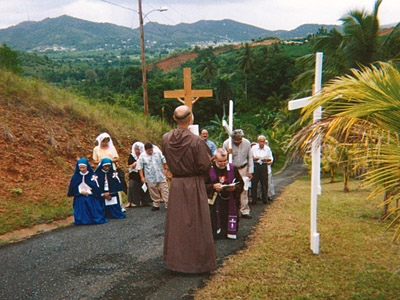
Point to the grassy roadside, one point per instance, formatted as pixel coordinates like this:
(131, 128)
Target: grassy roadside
(357, 259)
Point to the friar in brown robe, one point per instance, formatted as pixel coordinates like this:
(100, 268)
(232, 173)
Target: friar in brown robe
(188, 240)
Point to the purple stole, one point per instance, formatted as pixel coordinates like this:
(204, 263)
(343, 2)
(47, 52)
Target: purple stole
(232, 209)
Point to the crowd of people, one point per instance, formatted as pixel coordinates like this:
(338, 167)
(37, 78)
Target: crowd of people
(199, 171)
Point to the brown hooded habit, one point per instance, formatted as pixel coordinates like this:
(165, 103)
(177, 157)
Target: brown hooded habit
(188, 240)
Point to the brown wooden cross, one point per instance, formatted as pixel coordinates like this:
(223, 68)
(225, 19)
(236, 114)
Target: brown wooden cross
(190, 96)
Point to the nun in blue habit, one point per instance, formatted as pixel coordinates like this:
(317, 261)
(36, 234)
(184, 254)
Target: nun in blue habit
(85, 189)
(110, 185)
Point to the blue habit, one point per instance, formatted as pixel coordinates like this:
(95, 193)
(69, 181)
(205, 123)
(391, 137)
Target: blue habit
(110, 182)
(87, 209)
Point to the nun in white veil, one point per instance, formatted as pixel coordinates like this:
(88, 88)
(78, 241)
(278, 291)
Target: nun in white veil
(136, 195)
(105, 148)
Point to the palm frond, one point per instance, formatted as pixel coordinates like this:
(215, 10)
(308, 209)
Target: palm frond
(361, 112)
(372, 93)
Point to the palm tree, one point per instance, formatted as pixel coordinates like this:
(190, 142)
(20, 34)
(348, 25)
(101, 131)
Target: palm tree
(208, 69)
(362, 110)
(358, 45)
(329, 158)
(360, 39)
(246, 63)
(223, 89)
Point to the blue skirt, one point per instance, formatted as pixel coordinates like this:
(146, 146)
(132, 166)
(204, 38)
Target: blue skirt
(88, 210)
(114, 211)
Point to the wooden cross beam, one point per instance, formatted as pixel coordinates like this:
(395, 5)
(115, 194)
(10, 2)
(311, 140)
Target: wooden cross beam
(189, 96)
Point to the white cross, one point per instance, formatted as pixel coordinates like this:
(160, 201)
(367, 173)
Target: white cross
(232, 221)
(115, 175)
(316, 153)
(94, 178)
(229, 127)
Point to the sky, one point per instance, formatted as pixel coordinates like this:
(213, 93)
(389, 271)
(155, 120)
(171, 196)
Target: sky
(266, 14)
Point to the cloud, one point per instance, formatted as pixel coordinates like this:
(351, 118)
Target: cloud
(268, 14)
(16, 11)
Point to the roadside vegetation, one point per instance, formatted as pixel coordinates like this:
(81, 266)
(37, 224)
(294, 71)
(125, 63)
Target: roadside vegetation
(357, 258)
(361, 107)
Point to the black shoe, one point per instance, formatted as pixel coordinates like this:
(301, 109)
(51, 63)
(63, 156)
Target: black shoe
(247, 217)
(265, 201)
(155, 208)
(252, 202)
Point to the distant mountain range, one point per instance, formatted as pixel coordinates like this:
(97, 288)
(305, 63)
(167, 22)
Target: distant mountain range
(68, 33)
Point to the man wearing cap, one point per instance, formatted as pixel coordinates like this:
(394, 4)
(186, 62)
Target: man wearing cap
(243, 161)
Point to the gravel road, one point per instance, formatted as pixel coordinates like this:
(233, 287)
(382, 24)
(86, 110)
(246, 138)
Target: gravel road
(118, 260)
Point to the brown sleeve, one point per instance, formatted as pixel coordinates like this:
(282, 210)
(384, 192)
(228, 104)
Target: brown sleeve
(203, 157)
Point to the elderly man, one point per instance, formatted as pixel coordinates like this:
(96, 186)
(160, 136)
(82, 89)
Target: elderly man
(188, 239)
(243, 160)
(262, 157)
(210, 144)
(224, 186)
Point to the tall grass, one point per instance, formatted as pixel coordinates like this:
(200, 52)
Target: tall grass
(118, 121)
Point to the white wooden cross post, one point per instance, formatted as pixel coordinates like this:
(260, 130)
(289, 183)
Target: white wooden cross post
(316, 153)
(229, 127)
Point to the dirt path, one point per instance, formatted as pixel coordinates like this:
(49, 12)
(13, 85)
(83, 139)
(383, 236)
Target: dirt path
(118, 260)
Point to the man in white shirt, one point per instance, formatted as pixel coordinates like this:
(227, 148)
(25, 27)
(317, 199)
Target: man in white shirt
(262, 157)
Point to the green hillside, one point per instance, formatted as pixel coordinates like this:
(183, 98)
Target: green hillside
(44, 130)
(66, 33)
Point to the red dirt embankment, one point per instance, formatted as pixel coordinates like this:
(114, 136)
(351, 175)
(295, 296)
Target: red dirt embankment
(39, 147)
(174, 62)
(385, 31)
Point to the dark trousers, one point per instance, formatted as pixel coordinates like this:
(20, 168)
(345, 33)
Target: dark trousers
(136, 194)
(260, 174)
(220, 208)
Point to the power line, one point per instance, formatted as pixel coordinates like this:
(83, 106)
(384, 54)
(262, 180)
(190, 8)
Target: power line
(115, 4)
(181, 15)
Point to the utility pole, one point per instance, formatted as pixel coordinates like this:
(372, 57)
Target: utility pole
(144, 76)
